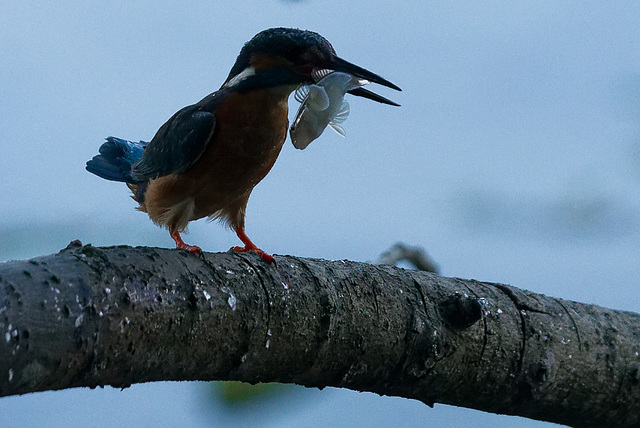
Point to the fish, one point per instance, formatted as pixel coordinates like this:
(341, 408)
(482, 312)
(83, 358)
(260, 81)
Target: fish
(322, 105)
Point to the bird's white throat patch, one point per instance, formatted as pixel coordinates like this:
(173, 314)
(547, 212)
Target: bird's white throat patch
(249, 71)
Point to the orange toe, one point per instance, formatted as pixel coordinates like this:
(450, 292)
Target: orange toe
(193, 249)
(266, 257)
(180, 244)
(250, 246)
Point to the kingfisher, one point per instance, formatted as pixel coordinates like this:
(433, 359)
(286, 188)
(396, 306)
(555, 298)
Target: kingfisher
(206, 159)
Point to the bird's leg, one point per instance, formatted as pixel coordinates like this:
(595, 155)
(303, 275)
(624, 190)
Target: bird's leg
(180, 243)
(250, 246)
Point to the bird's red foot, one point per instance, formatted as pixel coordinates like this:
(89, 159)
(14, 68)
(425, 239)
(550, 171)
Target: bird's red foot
(250, 246)
(180, 243)
(266, 257)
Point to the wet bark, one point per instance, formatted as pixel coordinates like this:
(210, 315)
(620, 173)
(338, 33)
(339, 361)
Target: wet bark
(120, 315)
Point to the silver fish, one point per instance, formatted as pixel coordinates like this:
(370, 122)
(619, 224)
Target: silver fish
(322, 105)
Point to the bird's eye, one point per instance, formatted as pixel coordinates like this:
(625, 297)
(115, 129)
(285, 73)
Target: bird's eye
(307, 56)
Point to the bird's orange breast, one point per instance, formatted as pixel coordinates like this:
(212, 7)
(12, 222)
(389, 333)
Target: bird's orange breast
(250, 131)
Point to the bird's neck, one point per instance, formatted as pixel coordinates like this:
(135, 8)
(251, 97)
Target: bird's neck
(251, 79)
(260, 108)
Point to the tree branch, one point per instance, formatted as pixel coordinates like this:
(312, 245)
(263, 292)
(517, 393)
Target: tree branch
(115, 316)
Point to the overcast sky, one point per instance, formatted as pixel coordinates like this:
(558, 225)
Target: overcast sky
(515, 156)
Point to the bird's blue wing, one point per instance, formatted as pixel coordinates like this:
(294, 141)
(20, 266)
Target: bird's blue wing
(177, 145)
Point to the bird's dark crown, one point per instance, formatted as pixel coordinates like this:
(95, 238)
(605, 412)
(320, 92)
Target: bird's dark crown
(284, 49)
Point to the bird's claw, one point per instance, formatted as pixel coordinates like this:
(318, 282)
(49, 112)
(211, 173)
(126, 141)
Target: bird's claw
(266, 257)
(193, 249)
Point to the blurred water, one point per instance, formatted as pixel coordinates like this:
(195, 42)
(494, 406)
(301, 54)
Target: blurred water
(515, 157)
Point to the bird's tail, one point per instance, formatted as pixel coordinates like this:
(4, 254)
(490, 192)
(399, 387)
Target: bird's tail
(116, 158)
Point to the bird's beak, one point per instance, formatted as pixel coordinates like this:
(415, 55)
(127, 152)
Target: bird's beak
(341, 65)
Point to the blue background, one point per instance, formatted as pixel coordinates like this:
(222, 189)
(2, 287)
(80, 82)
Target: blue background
(515, 157)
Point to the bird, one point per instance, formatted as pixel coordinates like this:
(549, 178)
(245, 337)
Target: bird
(205, 160)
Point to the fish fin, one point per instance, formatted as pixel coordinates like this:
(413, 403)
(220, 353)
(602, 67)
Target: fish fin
(339, 118)
(343, 114)
(301, 93)
(318, 75)
(338, 128)
(318, 98)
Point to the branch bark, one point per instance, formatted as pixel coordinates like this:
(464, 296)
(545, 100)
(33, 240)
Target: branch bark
(115, 316)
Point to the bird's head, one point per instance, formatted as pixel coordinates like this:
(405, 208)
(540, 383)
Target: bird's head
(288, 56)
